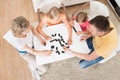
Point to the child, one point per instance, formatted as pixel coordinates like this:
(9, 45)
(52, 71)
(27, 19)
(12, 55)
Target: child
(103, 41)
(54, 17)
(23, 35)
(82, 19)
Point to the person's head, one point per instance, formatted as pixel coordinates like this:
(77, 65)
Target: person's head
(20, 26)
(81, 17)
(99, 26)
(54, 13)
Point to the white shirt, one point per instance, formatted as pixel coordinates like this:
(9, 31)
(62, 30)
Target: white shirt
(21, 42)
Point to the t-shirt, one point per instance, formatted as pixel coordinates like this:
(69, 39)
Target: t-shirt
(21, 42)
(106, 44)
(84, 25)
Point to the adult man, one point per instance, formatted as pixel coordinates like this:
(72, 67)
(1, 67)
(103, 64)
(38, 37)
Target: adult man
(102, 42)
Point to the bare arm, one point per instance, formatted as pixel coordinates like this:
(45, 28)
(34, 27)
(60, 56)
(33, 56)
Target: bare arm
(91, 56)
(83, 32)
(64, 19)
(36, 52)
(85, 37)
(65, 11)
(39, 29)
(38, 36)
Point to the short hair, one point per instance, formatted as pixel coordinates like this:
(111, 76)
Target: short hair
(81, 17)
(54, 13)
(101, 23)
(19, 25)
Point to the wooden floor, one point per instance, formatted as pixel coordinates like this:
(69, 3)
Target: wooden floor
(12, 67)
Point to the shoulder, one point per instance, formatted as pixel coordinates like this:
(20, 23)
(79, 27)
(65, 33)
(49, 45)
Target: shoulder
(62, 15)
(45, 17)
(43, 21)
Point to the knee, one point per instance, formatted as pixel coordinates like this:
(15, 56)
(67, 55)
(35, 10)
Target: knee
(82, 64)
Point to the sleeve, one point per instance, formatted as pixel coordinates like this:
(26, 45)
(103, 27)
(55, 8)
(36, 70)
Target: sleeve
(20, 44)
(105, 49)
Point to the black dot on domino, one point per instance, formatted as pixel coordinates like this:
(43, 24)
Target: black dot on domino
(52, 47)
(62, 51)
(58, 34)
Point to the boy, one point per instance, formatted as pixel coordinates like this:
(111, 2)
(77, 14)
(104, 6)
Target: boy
(103, 41)
(23, 33)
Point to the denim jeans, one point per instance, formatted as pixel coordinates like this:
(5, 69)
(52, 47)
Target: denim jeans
(85, 63)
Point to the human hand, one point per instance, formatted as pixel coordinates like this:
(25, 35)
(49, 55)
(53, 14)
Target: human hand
(83, 38)
(78, 32)
(43, 42)
(48, 38)
(69, 42)
(66, 49)
(46, 52)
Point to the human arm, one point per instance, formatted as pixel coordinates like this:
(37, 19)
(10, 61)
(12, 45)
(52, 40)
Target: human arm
(38, 36)
(39, 29)
(71, 22)
(85, 37)
(64, 19)
(91, 56)
(82, 32)
(37, 52)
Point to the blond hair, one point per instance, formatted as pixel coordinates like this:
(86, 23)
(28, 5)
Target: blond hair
(81, 17)
(54, 13)
(19, 25)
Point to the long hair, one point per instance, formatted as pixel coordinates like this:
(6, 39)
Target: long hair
(81, 17)
(54, 13)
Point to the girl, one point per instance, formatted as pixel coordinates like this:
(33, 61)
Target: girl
(54, 17)
(82, 19)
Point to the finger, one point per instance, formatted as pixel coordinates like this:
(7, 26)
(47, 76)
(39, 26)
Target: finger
(69, 42)
(44, 43)
(82, 39)
(52, 51)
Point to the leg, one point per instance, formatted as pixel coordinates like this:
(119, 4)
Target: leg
(64, 8)
(32, 63)
(30, 59)
(85, 63)
(90, 44)
(42, 69)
